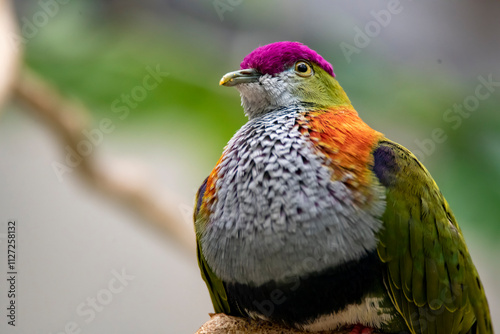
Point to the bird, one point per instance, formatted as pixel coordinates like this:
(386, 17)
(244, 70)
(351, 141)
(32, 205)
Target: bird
(313, 220)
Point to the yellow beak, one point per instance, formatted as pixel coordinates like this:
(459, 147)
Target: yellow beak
(238, 77)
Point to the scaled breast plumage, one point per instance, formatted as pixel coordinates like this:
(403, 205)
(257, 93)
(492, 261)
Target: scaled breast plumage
(273, 187)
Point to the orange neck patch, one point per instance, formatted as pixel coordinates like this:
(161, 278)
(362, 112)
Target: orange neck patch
(345, 140)
(342, 138)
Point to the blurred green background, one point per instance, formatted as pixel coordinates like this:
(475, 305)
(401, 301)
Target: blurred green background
(404, 79)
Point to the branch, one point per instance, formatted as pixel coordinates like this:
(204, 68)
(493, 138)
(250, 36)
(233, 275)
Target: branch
(224, 324)
(10, 48)
(68, 120)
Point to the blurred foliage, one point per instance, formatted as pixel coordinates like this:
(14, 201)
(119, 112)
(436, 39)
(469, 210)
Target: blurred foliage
(96, 60)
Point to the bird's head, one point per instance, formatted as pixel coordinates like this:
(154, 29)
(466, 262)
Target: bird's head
(284, 73)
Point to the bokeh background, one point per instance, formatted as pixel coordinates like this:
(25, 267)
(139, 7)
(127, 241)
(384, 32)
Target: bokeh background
(404, 77)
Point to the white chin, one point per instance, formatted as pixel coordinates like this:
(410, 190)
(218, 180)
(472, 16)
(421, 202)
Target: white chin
(269, 93)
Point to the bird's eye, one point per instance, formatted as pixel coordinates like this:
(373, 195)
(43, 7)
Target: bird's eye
(303, 69)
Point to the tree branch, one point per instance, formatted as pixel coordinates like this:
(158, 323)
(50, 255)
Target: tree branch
(68, 120)
(224, 324)
(10, 49)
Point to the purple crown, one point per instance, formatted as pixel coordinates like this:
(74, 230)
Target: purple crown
(275, 57)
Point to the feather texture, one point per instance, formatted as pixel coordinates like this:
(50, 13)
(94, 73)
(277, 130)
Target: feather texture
(313, 219)
(430, 275)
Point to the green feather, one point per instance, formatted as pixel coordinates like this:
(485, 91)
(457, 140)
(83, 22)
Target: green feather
(430, 275)
(214, 285)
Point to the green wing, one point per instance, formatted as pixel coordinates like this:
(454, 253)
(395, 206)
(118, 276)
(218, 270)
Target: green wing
(430, 276)
(214, 284)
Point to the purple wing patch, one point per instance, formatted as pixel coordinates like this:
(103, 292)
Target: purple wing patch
(276, 57)
(385, 165)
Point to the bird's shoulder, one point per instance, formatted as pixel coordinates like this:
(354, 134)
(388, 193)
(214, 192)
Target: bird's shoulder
(346, 142)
